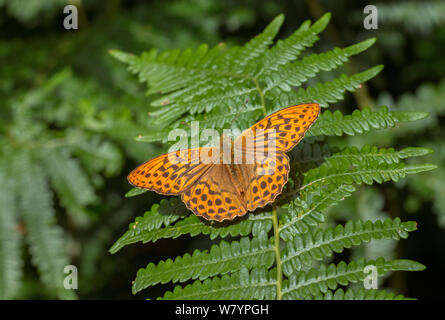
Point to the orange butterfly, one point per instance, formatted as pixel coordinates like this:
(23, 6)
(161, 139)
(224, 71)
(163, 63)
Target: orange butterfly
(219, 191)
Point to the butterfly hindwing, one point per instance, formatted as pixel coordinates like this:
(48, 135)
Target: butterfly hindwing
(214, 196)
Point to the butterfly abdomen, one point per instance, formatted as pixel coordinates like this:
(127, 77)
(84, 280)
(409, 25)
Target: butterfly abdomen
(237, 178)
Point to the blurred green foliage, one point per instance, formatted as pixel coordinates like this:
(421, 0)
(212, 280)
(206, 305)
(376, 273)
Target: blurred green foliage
(69, 114)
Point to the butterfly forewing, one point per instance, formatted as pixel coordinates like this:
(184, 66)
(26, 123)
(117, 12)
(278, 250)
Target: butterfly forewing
(282, 130)
(170, 173)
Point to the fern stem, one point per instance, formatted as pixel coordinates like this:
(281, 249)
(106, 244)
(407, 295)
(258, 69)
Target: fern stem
(276, 232)
(260, 92)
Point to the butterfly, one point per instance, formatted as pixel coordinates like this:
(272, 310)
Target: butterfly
(220, 191)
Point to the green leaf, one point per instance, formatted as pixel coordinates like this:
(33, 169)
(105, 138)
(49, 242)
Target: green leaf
(144, 229)
(288, 49)
(303, 215)
(221, 259)
(46, 240)
(10, 239)
(354, 156)
(324, 278)
(337, 124)
(317, 244)
(259, 284)
(365, 172)
(325, 93)
(163, 214)
(295, 74)
(359, 294)
(255, 47)
(135, 192)
(70, 182)
(127, 58)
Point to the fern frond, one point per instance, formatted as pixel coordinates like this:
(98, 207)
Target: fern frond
(324, 278)
(366, 173)
(318, 244)
(10, 240)
(193, 226)
(288, 49)
(352, 156)
(259, 284)
(359, 294)
(46, 240)
(326, 92)
(214, 85)
(224, 93)
(242, 117)
(337, 124)
(160, 215)
(221, 259)
(355, 156)
(289, 75)
(69, 181)
(430, 96)
(302, 214)
(347, 167)
(256, 47)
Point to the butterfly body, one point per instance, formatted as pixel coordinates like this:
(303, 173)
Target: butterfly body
(237, 177)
